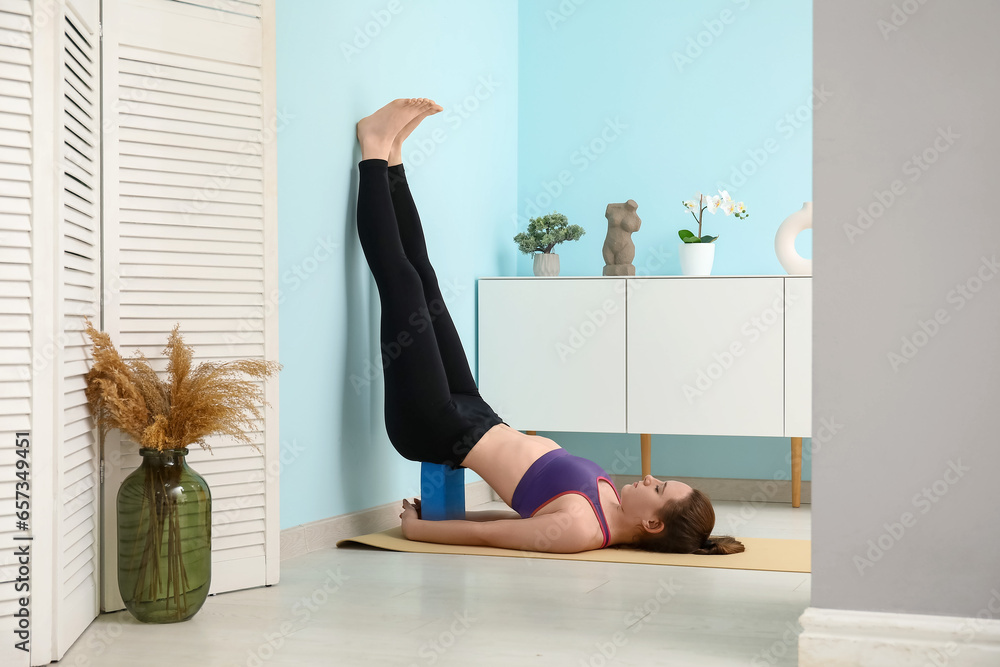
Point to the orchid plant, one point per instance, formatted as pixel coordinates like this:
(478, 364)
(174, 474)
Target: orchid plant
(711, 203)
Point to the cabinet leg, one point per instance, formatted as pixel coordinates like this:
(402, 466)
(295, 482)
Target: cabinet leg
(530, 432)
(646, 439)
(796, 471)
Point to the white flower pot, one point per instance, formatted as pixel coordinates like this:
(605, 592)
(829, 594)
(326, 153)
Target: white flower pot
(697, 258)
(546, 264)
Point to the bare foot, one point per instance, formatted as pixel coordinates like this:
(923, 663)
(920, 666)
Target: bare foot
(377, 131)
(396, 151)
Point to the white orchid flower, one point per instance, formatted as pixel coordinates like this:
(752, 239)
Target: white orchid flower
(725, 195)
(727, 206)
(712, 203)
(691, 205)
(740, 208)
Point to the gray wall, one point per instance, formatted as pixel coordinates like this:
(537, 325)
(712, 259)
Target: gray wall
(901, 423)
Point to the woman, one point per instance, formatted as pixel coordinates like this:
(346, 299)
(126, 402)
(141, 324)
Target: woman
(434, 412)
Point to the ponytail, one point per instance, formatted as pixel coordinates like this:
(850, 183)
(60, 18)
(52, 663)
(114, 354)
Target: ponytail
(720, 545)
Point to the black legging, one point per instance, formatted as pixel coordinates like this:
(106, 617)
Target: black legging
(433, 410)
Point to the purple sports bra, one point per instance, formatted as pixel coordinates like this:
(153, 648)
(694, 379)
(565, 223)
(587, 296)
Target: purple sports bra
(556, 473)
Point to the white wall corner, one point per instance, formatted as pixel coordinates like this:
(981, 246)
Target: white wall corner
(849, 638)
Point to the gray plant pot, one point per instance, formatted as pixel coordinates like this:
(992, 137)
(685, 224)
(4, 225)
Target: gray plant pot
(546, 264)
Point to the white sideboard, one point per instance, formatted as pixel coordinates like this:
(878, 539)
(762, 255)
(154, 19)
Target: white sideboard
(712, 355)
(798, 356)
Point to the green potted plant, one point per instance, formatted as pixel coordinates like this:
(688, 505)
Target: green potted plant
(697, 252)
(544, 233)
(164, 508)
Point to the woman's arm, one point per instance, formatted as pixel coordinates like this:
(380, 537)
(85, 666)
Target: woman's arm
(491, 515)
(481, 515)
(553, 533)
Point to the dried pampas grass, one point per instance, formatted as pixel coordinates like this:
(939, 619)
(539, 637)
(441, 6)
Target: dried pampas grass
(128, 395)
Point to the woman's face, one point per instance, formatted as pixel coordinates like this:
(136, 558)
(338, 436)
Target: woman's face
(646, 498)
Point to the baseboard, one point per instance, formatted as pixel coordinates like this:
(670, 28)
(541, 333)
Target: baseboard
(739, 490)
(324, 533)
(846, 638)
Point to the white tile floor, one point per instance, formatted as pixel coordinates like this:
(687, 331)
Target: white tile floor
(367, 607)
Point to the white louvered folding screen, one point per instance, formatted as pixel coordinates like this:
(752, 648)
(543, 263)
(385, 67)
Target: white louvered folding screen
(15, 291)
(182, 224)
(78, 261)
(190, 238)
(51, 212)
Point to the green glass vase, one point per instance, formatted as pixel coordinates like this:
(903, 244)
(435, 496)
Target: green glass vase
(164, 538)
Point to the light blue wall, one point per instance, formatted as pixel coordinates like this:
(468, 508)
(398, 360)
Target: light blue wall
(654, 101)
(462, 166)
(524, 92)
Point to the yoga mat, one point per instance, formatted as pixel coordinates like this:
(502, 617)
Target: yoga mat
(761, 553)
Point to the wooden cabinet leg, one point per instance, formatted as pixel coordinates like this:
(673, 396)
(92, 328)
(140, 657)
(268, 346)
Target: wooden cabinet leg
(796, 471)
(646, 439)
(530, 432)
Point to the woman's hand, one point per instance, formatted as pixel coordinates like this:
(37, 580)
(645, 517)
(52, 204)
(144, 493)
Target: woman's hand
(409, 515)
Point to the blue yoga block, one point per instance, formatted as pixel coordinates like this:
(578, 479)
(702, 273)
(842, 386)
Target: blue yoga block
(442, 492)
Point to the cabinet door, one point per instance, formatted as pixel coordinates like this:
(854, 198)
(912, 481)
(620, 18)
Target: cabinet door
(798, 357)
(552, 352)
(705, 356)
